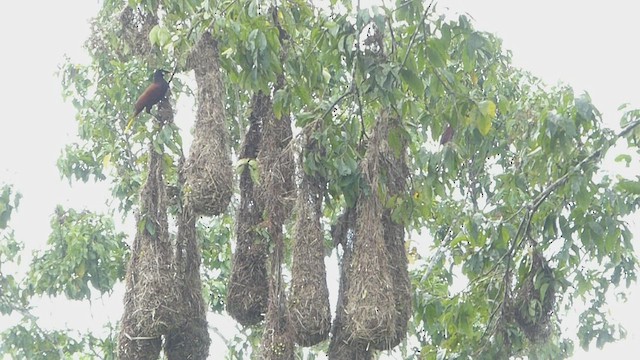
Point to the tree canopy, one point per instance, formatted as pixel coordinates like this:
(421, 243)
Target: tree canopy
(465, 200)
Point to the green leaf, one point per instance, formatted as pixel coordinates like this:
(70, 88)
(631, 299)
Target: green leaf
(624, 157)
(150, 227)
(435, 57)
(326, 75)
(164, 36)
(487, 108)
(413, 82)
(153, 35)
(629, 186)
(261, 41)
(484, 125)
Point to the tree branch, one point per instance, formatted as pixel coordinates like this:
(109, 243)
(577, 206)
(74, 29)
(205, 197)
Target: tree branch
(415, 33)
(534, 205)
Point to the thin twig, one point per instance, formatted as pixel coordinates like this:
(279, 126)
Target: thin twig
(216, 331)
(347, 93)
(140, 337)
(444, 83)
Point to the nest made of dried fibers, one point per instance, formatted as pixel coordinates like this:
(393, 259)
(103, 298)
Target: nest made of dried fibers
(139, 348)
(247, 291)
(209, 172)
(151, 293)
(396, 171)
(190, 340)
(309, 309)
(276, 190)
(342, 346)
(532, 312)
(394, 242)
(371, 307)
(134, 31)
(277, 341)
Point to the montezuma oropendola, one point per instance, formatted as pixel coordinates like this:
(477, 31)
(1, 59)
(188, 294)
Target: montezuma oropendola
(151, 95)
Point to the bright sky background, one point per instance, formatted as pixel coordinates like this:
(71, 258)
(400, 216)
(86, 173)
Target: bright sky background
(591, 45)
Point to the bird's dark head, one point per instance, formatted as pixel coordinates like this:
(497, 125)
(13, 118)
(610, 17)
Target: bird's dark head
(158, 75)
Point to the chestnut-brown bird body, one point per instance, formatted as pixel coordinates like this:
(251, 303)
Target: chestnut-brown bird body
(447, 135)
(152, 94)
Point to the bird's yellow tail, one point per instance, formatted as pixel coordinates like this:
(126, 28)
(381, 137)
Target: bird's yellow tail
(130, 123)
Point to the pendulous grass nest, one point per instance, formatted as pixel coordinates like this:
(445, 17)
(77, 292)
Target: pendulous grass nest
(276, 190)
(370, 307)
(342, 345)
(151, 298)
(190, 340)
(533, 304)
(395, 172)
(309, 310)
(247, 291)
(209, 174)
(275, 193)
(374, 301)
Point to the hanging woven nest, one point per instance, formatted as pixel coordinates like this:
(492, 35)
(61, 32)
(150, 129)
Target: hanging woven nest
(533, 304)
(342, 346)
(276, 189)
(191, 339)
(396, 172)
(134, 31)
(248, 290)
(371, 306)
(277, 339)
(209, 174)
(394, 242)
(309, 309)
(151, 296)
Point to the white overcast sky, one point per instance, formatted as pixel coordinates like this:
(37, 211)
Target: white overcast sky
(591, 45)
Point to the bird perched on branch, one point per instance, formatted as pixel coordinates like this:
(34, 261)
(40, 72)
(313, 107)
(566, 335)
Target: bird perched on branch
(151, 95)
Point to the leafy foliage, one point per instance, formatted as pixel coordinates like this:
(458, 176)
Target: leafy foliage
(83, 249)
(10, 248)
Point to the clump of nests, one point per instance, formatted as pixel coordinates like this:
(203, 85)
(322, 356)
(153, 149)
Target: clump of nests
(534, 301)
(164, 307)
(163, 298)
